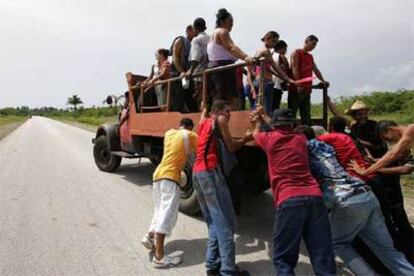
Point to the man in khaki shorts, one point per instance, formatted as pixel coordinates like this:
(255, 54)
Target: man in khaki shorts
(178, 145)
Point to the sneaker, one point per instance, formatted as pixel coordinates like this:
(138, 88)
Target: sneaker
(213, 272)
(167, 261)
(148, 242)
(241, 272)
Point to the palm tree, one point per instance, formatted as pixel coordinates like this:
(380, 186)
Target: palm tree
(75, 101)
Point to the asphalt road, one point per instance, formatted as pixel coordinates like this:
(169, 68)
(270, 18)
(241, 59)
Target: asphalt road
(60, 215)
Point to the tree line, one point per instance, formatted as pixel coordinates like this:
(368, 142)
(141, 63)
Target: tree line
(399, 103)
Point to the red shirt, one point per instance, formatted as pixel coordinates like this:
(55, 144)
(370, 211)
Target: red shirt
(288, 165)
(346, 151)
(305, 68)
(204, 131)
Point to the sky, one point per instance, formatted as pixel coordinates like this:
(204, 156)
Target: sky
(51, 49)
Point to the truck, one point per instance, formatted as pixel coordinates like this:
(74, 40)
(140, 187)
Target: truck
(140, 129)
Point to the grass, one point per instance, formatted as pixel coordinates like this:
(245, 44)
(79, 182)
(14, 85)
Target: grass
(9, 123)
(9, 119)
(88, 120)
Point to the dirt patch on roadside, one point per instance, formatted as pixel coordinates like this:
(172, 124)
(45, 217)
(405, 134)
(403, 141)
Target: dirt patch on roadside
(7, 129)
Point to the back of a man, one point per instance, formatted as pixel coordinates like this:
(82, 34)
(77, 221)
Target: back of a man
(212, 191)
(178, 145)
(180, 50)
(288, 164)
(300, 210)
(354, 212)
(345, 148)
(175, 154)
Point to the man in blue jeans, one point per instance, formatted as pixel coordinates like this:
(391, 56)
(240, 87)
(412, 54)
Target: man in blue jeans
(212, 191)
(355, 211)
(300, 211)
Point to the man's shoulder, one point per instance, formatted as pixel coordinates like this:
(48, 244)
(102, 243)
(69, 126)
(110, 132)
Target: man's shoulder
(201, 36)
(319, 145)
(178, 40)
(191, 134)
(410, 128)
(171, 131)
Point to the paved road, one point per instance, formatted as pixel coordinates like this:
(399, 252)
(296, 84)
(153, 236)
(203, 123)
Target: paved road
(59, 215)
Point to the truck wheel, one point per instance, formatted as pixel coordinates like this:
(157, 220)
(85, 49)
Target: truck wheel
(256, 180)
(253, 165)
(104, 160)
(155, 159)
(189, 203)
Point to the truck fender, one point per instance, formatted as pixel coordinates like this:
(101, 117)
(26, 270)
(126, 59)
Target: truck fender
(111, 132)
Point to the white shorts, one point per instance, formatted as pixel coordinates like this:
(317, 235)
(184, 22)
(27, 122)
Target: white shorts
(166, 198)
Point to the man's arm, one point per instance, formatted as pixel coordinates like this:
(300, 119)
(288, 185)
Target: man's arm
(397, 170)
(163, 74)
(263, 117)
(231, 145)
(404, 144)
(294, 62)
(177, 49)
(195, 56)
(249, 77)
(256, 121)
(193, 66)
(268, 57)
(204, 114)
(319, 74)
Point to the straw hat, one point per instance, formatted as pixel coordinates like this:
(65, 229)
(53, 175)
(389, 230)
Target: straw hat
(358, 105)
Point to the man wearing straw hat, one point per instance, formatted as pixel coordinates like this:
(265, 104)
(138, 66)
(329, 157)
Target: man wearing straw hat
(363, 130)
(390, 195)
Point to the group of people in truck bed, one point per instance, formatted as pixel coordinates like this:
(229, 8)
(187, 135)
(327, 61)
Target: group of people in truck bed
(337, 189)
(197, 51)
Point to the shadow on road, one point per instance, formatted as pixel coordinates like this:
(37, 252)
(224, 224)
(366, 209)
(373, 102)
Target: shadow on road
(139, 174)
(254, 234)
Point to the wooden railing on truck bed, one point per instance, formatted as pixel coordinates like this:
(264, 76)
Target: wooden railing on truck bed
(133, 79)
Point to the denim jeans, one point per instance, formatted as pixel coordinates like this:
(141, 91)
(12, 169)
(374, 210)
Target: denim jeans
(305, 217)
(247, 93)
(361, 216)
(216, 205)
(268, 95)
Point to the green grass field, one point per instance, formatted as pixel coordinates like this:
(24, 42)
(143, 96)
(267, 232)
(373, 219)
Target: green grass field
(9, 123)
(88, 120)
(9, 119)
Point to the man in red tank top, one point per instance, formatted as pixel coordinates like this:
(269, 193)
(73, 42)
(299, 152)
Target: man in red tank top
(303, 66)
(212, 189)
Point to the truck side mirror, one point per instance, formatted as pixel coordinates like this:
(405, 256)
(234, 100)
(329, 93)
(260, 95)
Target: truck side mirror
(109, 100)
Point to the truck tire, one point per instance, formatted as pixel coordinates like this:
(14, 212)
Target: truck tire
(188, 199)
(253, 166)
(104, 160)
(256, 180)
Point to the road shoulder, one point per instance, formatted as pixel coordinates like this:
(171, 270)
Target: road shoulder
(9, 128)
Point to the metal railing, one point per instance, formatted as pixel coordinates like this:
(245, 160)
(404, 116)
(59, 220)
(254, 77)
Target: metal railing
(204, 74)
